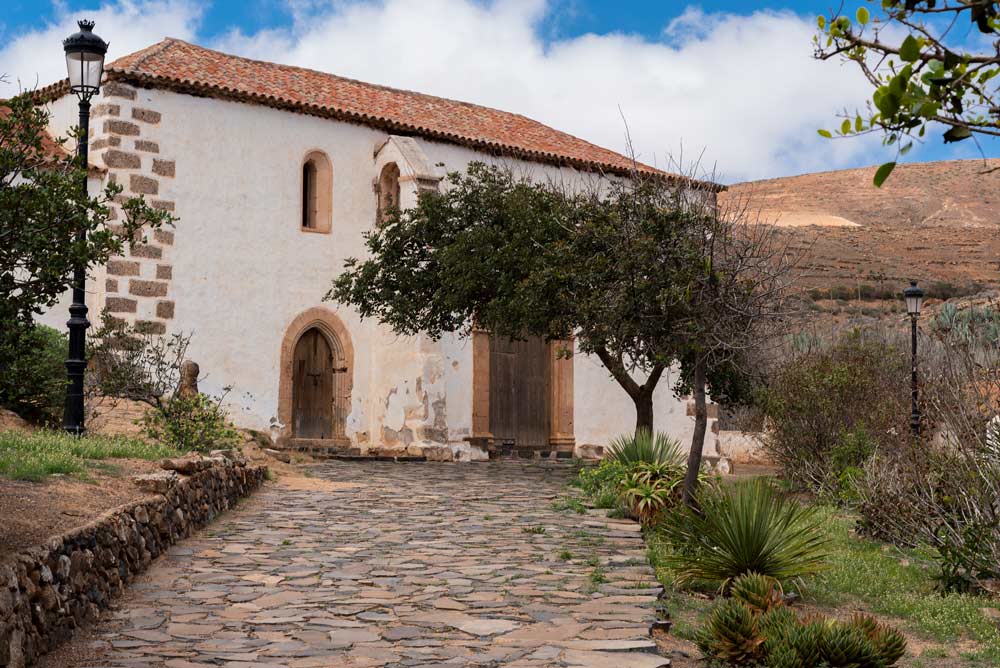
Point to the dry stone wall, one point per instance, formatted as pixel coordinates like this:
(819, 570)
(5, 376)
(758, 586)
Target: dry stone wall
(49, 591)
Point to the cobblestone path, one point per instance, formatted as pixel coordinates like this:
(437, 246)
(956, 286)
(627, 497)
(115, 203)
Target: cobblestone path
(384, 564)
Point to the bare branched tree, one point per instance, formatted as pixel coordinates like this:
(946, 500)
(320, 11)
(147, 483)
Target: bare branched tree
(738, 305)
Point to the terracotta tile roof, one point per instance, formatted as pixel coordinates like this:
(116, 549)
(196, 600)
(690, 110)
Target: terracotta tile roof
(178, 65)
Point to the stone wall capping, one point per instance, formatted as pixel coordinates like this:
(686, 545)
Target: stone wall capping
(123, 268)
(165, 310)
(50, 590)
(150, 327)
(104, 142)
(121, 305)
(145, 250)
(117, 89)
(144, 288)
(117, 159)
(165, 237)
(106, 110)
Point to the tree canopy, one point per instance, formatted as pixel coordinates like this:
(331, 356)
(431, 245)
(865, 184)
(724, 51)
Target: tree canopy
(929, 62)
(642, 272)
(42, 208)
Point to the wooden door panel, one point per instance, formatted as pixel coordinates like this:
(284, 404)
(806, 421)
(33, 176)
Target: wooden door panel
(313, 387)
(519, 392)
(532, 400)
(502, 392)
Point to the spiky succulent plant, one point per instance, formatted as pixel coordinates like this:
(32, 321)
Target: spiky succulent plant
(731, 634)
(846, 646)
(760, 592)
(888, 642)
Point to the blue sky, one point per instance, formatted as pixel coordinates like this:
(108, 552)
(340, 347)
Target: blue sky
(732, 81)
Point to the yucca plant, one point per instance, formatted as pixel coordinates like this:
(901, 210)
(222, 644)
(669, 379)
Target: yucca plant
(745, 528)
(652, 471)
(644, 447)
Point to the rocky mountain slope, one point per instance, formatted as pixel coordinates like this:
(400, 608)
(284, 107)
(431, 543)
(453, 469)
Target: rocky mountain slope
(936, 222)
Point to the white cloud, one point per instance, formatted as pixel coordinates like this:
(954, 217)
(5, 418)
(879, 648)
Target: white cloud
(34, 58)
(743, 87)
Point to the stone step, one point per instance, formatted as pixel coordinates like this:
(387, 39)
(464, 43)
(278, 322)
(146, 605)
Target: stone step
(326, 449)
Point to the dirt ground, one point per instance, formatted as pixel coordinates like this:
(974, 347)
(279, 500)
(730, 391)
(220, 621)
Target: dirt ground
(33, 512)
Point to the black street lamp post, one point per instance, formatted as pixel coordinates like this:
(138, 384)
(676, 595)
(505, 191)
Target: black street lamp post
(914, 298)
(85, 63)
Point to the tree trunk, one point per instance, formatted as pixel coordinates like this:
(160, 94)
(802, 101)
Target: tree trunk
(644, 410)
(641, 395)
(698, 440)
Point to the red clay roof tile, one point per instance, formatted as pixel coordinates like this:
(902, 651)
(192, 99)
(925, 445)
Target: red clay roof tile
(179, 65)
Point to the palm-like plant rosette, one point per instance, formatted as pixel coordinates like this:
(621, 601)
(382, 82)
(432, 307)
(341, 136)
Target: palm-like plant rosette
(744, 528)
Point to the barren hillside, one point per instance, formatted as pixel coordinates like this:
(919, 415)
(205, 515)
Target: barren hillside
(934, 222)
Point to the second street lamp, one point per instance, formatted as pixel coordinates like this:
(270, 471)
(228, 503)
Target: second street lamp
(85, 53)
(914, 299)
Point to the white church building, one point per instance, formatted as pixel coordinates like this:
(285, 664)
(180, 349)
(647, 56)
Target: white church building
(274, 174)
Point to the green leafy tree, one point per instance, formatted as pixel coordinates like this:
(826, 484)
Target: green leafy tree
(42, 208)
(643, 272)
(920, 57)
(33, 384)
(519, 258)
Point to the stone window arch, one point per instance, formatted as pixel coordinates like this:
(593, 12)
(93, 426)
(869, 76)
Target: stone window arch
(317, 192)
(387, 191)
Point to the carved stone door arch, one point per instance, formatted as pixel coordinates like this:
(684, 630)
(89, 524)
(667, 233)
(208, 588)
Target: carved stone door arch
(317, 372)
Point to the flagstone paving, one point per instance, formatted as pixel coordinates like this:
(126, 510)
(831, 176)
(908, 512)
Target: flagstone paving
(390, 564)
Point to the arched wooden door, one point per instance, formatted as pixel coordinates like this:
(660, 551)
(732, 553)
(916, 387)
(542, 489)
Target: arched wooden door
(313, 387)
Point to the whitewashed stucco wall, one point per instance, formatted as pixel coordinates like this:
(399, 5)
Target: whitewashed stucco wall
(243, 269)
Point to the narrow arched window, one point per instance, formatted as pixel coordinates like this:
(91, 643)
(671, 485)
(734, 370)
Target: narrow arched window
(309, 195)
(388, 191)
(317, 192)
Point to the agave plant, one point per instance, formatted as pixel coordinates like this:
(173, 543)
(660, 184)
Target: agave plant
(731, 634)
(644, 447)
(645, 500)
(745, 528)
(760, 592)
(741, 632)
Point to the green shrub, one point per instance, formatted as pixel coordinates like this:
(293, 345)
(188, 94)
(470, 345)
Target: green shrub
(34, 383)
(197, 422)
(600, 483)
(738, 633)
(830, 407)
(641, 477)
(745, 528)
(645, 447)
